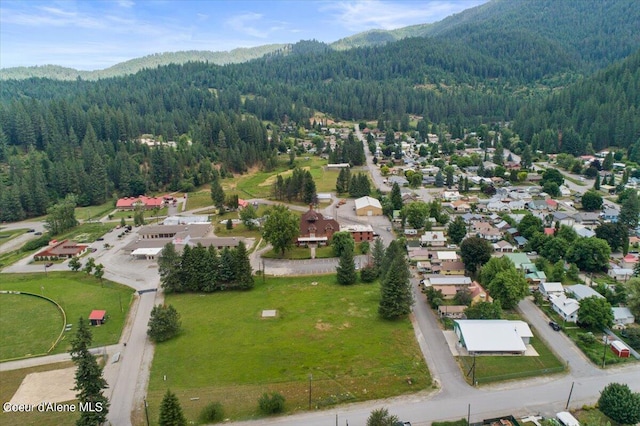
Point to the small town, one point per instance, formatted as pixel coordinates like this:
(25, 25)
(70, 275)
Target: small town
(381, 213)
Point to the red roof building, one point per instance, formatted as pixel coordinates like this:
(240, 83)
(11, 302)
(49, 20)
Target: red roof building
(549, 231)
(97, 317)
(61, 249)
(315, 229)
(130, 203)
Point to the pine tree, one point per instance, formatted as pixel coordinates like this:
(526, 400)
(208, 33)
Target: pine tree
(170, 411)
(396, 197)
(226, 273)
(377, 255)
(89, 381)
(396, 296)
(596, 185)
(243, 271)
(346, 270)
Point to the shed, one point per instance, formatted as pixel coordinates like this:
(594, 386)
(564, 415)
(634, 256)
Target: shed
(620, 349)
(97, 317)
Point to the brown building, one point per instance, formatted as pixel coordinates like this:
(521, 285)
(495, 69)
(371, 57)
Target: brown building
(359, 232)
(315, 229)
(64, 249)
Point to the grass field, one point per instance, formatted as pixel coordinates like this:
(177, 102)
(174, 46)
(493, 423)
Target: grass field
(499, 368)
(322, 329)
(95, 212)
(10, 382)
(28, 325)
(78, 294)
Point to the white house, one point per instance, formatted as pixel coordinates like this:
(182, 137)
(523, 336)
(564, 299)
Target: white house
(451, 195)
(493, 336)
(548, 289)
(622, 316)
(581, 291)
(565, 307)
(433, 238)
(620, 274)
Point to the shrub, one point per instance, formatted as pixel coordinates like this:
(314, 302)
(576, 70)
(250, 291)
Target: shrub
(212, 412)
(368, 274)
(37, 243)
(271, 404)
(587, 338)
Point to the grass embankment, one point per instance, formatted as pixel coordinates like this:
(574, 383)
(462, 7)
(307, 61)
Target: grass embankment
(77, 293)
(228, 353)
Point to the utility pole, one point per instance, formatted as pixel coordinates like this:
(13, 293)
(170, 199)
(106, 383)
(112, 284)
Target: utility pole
(566, 407)
(605, 341)
(469, 415)
(146, 410)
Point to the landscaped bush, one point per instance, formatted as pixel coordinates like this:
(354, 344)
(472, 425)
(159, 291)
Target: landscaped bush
(37, 243)
(368, 274)
(587, 338)
(212, 412)
(271, 404)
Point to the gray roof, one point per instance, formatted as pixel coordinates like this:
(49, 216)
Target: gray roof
(581, 291)
(494, 335)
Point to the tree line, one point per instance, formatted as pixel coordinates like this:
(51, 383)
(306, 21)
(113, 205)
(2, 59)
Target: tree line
(201, 269)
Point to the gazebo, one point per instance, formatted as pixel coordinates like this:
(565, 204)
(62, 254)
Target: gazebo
(97, 317)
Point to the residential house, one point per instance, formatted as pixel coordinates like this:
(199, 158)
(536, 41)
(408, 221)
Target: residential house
(460, 206)
(451, 268)
(583, 231)
(478, 293)
(496, 337)
(536, 205)
(565, 307)
(433, 239)
(315, 229)
(587, 218)
(503, 246)
(451, 196)
(401, 181)
(520, 242)
(448, 292)
(581, 291)
(547, 289)
(622, 316)
(629, 261)
(610, 215)
(459, 282)
(419, 255)
(620, 274)
(563, 218)
(487, 231)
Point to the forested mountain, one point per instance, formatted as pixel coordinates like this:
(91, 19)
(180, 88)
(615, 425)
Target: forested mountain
(134, 65)
(601, 111)
(594, 33)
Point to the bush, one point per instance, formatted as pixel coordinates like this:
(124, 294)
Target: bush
(587, 338)
(271, 404)
(212, 413)
(37, 243)
(368, 274)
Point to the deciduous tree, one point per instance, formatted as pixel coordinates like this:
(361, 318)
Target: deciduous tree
(591, 201)
(341, 241)
(629, 211)
(620, 404)
(508, 288)
(457, 230)
(484, 310)
(164, 323)
(381, 417)
(475, 252)
(595, 312)
(615, 234)
(589, 254)
(281, 228)
(416, 214)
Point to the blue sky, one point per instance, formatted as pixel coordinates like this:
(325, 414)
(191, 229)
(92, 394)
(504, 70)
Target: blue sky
(90, 34)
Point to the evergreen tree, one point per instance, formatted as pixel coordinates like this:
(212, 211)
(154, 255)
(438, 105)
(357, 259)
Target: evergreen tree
(396, 197)
(170, 411)
(217, 193)
(439, 179)
(243, 271)
(396, 296)
(596, 184)
(227, 271)
(457, 230)
(164, 323)
(346, 270)
(377, 255)
(89, 381)
(629, 211)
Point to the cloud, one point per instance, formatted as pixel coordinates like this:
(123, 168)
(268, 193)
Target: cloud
(247, 23)
(361, 15)
(127, 4)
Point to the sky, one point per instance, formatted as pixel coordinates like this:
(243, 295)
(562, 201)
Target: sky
(96, 34)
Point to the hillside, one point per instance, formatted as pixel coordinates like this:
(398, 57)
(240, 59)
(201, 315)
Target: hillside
(594, 32)
(134, 65)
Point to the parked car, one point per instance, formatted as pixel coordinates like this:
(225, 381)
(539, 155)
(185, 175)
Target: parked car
(48, 265)
(100, 239)
(38, 233)
(31, 230)
(554, 325)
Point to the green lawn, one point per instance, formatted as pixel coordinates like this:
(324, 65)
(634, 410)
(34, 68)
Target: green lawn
(95, 212)
(325, 330)
(10, 382)
(499, 368)
(78, 294)
(28, 325)
(199, 199)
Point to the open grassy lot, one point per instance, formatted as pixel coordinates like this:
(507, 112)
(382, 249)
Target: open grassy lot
(593, 416)
(28, 325)
(10, 234)
(10, 382)
(199, 199)
(228, 353)
(499, 368)
(78, 294)
(95, 212)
